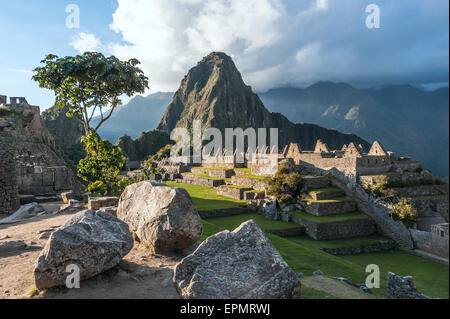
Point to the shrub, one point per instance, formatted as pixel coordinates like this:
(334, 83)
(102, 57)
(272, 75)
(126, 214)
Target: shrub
(102, 163)
(285, 185)
(404, 212)
(97, 187)
(121, 185)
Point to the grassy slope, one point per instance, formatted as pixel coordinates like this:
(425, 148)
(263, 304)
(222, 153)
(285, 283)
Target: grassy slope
(331, 218)
(303, 255)
(206, 198)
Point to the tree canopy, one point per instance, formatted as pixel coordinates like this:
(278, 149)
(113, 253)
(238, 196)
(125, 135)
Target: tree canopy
(90, 82)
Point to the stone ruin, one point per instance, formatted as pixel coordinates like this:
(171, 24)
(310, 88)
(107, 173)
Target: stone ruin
(39, 166)
(351, 159)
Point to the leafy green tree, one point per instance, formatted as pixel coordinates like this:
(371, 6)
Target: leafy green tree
(90, 82)
(101, 165)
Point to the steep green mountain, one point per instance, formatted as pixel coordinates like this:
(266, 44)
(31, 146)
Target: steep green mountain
(139, 115)
(148, 143)
(405, 119)
(214, 92)
(66, 131)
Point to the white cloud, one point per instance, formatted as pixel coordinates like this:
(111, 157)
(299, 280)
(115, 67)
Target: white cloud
(85, 42)
(20, 71)
(281, 42)
(322, 4)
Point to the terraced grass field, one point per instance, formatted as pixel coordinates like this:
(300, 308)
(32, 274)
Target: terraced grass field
(206, 198)
(331, 218)
(303, 254)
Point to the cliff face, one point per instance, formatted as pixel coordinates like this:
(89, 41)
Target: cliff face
(40, 164)
(214, 93)
(66, 131)
(146, 144)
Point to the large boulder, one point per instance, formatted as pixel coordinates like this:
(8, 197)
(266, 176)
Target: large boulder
(161, 217)
(95, 241)
(240, 264)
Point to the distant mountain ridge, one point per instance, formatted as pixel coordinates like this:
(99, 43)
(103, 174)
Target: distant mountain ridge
(139, 115)
(406, 119)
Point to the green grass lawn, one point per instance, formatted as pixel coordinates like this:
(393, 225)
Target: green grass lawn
(232, 222)
(302, 255)
(253, 176)
(206, 198)
(206, 176)
(310, 293)
(334, 200)
(331, 218)
(325, 190)
(336, 243)
(235, 186)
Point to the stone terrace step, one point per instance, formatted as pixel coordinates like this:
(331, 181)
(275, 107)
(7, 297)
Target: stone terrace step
(326, 193)
(355, 224)
(423, 190)
(255, 182)
(216, 172)
(254, 194)
(329, 207)
(233, 191)
(203, 180)
(313, 182)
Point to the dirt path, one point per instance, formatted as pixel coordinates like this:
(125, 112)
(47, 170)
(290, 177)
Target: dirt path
(336, 288)
(140, 275)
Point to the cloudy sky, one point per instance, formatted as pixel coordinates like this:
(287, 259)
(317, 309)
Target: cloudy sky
(273, 42)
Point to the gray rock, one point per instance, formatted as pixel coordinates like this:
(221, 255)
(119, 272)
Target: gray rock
(24, 212)
(270, 211)
(318, 273)
(402, 288)
(240, 264)
(162, 217)
(300, 275)
(110, 210)
(286, 217)
(95, 241)
(12, 245)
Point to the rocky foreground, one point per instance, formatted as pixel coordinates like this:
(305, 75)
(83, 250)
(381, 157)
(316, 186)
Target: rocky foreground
(135, 256)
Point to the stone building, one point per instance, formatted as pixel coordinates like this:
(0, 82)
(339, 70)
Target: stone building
(351, 159)
(439, 240)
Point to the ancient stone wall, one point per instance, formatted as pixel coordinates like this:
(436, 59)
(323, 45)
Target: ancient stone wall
(440, 240)
(335, 230)
(402, 288)
(331, 208)
(344, 164)
(9, 192)
(255, 183)
(233, 192)
(383, 245)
